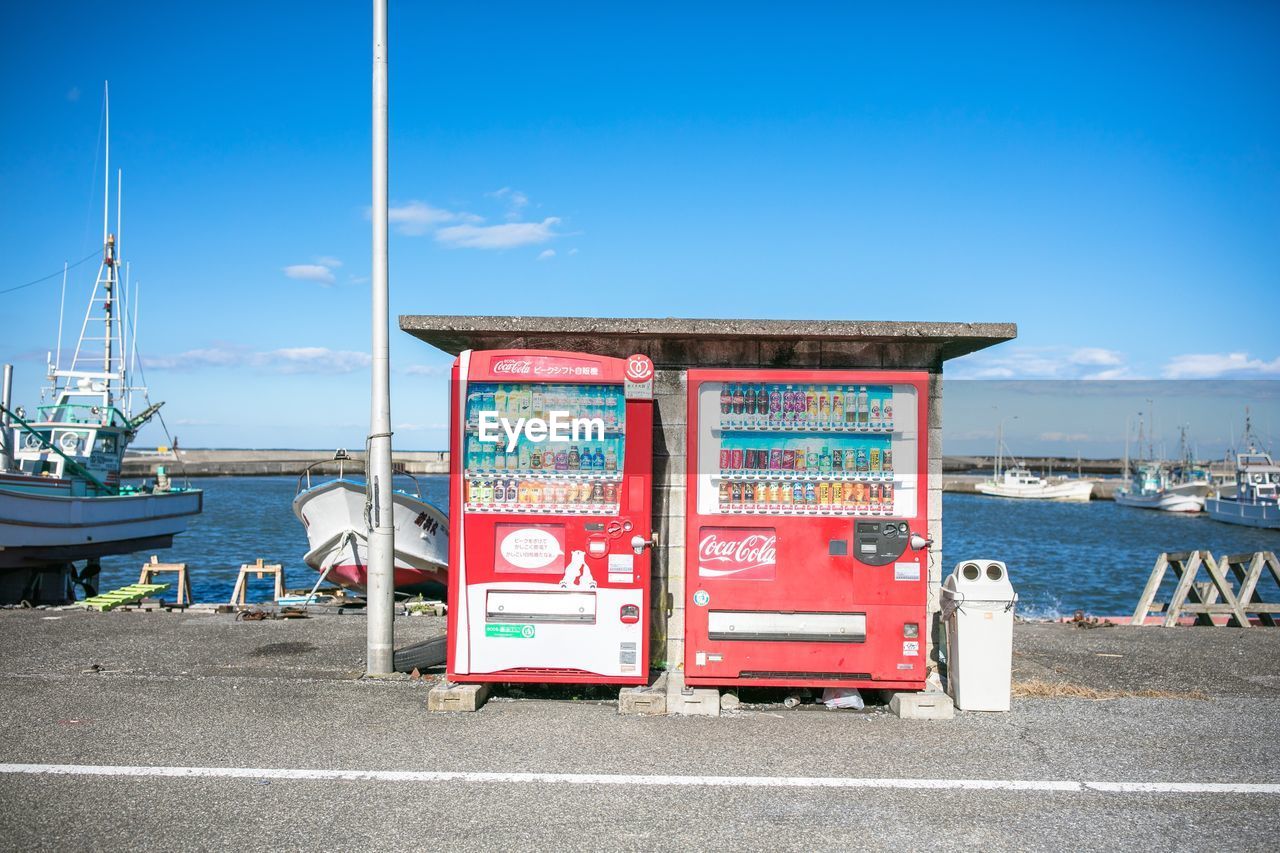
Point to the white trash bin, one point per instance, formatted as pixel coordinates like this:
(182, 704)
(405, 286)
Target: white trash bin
(977, 607)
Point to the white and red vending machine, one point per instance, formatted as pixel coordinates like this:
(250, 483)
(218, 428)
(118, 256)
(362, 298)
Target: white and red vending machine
(549, 535)
(807, 558)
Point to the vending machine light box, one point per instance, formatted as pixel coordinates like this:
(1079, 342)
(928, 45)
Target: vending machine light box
(550, 536)
(807, 558)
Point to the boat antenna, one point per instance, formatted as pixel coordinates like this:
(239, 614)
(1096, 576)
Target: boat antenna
(106, 159)
(62, 307)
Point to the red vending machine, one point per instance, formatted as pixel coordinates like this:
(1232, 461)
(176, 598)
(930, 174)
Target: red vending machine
(549, 534)
(807, 531)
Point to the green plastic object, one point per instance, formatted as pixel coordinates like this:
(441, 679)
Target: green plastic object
(130, 594)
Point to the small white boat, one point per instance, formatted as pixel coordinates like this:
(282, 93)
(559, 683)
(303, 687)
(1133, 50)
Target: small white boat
(1018, 482)
(333, 513)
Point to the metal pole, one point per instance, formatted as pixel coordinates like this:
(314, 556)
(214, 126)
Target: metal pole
(6, 393)
(378, 479)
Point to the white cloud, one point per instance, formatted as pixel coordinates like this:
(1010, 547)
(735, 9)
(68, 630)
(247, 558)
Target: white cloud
(1065, 436)
(425, 370)
(573, 251)
(318, 273)
(1021, 362)
(288, 360)
(73, 94)
(417, 217)
(328, 261)
(1214, 365)
(516, 200)
(546, 254)
(508, 236)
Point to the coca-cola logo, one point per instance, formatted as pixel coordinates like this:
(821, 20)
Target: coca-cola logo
(513, 366)
(744, 553)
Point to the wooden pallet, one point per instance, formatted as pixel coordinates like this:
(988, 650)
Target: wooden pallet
(130, 594)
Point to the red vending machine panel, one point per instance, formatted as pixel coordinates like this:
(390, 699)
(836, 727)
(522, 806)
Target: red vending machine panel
(807, 560)
(549, 519)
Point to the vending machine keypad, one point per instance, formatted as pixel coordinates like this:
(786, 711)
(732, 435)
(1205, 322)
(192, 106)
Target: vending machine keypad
(878, 543)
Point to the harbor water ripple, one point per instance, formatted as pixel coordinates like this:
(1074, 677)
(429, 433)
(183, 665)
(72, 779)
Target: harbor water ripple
(1062, 557)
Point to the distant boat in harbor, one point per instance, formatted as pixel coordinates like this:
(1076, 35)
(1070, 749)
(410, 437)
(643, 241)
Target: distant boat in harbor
(334, 514)
(1160, 486)
(1017, 481)
(1256, 501)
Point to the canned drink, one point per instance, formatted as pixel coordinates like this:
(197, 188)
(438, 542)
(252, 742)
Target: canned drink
(735, 494)
(784, 494)
(813, 462)
(597, 493)
(886, 409)
(886, 496)
(748, 493)
(810, 493)
(859, 494)
(775, 459)
(875, 459)
(875, 409)
(848, 494)
(788, 460)
(724, 493)
(886, 460)
(726, 458)
(511, 491)
(774, 494)
(861, 458)
(824, 492)
(737, 459)
(837, 460)
(797, 493)
(798, 460)
(535, 460)
(873, 495)
(535, 493)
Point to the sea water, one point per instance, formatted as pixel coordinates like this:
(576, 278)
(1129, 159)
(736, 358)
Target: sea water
(1062, 557)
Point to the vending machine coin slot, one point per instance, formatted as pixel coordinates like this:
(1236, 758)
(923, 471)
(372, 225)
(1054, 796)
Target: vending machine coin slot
(838, 548)
(878, 543)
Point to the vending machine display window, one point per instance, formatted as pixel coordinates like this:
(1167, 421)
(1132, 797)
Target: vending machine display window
(801, 448)
(544, 448)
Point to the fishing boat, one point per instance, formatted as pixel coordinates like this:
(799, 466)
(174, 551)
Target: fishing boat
(1017, 481)
(61, 496)
(1159, 486)
(335, 515)
(1256, 499)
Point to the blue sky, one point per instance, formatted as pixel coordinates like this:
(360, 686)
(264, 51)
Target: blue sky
(1105, 175)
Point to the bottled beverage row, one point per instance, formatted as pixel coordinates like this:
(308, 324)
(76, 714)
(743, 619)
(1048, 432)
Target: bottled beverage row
(849, 498)
(538, 400)
(587, 461)
(797, 407)
(520, 495)
(800, 459)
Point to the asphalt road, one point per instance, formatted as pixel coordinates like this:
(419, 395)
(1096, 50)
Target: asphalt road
(138, 691)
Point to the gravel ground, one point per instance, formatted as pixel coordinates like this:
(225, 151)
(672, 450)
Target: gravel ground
(153, 689)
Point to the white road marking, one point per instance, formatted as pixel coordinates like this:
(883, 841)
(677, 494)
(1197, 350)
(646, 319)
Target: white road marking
(628, 779)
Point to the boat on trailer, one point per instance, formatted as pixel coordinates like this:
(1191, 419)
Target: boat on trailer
(335, 515)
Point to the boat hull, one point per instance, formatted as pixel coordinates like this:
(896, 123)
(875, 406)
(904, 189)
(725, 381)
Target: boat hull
(1248, 514)
(42, 525)
(1187, 497)
(1067, 491)
(333, 515)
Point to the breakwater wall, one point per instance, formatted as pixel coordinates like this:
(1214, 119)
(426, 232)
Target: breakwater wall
(261, 463)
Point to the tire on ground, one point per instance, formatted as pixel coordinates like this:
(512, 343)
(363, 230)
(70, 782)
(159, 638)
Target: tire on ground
(420, 656)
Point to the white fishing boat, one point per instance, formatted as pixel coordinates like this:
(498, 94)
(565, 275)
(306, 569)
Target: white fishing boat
(1018, 481)
(1159, 486)
(61, 497)
(335, 514)
(1255, 501)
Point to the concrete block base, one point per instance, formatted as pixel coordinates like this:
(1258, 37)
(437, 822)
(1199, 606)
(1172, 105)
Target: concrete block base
(644, 701)
(446, 696)
(922, 706)
(686, 702)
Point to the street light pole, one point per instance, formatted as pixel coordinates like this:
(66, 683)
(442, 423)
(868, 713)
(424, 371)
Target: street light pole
(380, 643)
